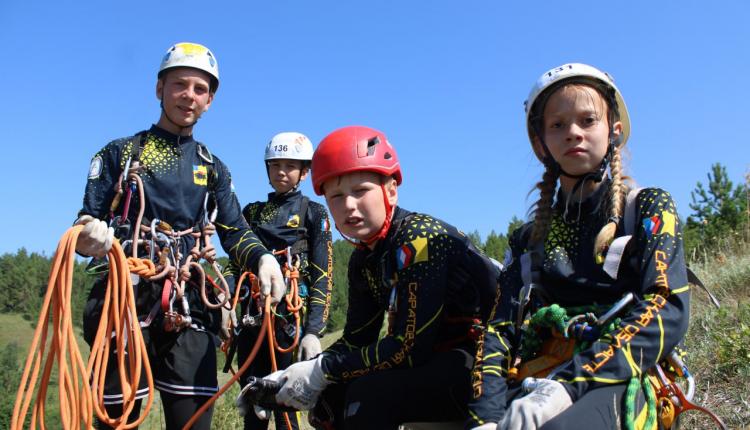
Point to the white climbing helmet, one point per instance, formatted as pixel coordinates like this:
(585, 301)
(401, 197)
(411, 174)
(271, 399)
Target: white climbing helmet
(192, 55)
(289, 145)
(577, 70)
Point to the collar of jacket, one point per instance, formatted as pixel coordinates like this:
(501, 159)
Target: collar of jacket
(591, 204)
(398, 216)
(282, 198)
(169, 137)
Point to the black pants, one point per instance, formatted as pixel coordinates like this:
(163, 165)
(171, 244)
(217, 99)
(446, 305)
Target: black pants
(437, 391)
(602, 408)
(261, 366)
(183, 363)
(177, 412)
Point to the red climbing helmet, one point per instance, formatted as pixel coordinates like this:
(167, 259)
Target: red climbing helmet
(351, 149)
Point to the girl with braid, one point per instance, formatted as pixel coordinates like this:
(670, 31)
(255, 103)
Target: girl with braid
(572, 363)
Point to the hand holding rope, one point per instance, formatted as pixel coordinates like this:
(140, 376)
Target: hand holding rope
(78, 400)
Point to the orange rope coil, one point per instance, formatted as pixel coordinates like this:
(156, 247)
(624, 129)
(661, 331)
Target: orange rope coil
(78, 400)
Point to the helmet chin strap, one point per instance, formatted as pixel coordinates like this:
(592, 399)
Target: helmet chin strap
(380, 234)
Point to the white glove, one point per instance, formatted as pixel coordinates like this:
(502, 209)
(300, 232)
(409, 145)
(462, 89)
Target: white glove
(546, 399)
(486, 426)
(309, 347)
(96, 237)
(302, 384)
(243, 404)
(271, 279)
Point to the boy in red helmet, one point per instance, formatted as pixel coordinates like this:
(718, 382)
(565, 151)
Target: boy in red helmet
(434, 286)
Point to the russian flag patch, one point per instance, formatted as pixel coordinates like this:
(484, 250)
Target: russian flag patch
(651, 225)
(412, 253)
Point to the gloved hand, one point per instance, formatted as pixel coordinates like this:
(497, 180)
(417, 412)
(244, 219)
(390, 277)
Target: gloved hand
(243, 404)
(309, 347)
(546, 399)
(302, 384)
(486, 426)
(228, 318)
(271, 279)
(96, 237)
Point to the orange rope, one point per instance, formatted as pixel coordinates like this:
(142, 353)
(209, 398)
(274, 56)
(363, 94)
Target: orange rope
(77, 403)
(294, 304)
(240, 371)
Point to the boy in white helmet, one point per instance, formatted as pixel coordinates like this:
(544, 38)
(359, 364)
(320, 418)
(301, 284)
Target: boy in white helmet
(288, 220)
(184, 188)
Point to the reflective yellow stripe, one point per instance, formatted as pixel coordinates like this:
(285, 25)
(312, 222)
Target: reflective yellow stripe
(681, 290)
(661, 336)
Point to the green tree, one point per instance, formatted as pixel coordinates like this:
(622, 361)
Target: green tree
(476, 239)
(342, 251)
(514, 224)
(10, 375)
(719, 209)
(495, 245)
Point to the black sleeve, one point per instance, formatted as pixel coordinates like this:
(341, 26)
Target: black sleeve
(364, 319)
(242, 245)
(320, 267)
(493, 357)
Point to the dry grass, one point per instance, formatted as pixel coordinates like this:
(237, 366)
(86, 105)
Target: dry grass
(718, 340)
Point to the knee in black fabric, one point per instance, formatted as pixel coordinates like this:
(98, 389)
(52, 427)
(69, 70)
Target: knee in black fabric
(115, 410)
(179, 409)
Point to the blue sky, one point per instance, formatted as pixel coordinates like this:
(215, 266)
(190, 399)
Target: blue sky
(444, 80)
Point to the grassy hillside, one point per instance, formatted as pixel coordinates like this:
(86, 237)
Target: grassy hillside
(718, 340)
(718, 344)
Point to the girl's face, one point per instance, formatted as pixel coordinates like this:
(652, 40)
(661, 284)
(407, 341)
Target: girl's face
(356, 202)
(575, 129)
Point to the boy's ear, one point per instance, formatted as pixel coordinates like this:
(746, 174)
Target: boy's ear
(391, 191)
(159, 87)
(210, 100)
(303, 173)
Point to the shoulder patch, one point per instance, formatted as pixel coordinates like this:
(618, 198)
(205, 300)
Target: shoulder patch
(95, 169)
(413, 252)
(200, 175)
(659, 224)
(293, 221)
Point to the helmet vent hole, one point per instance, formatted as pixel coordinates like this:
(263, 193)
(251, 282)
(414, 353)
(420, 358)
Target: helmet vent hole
(387, 156)
(371, 145)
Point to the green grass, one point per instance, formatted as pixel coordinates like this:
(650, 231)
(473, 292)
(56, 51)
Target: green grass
(718, 340)
(718, 344)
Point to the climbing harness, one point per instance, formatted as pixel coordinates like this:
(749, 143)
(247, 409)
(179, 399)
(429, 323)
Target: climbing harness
(665, 399)
(162, 245)
(118, 328)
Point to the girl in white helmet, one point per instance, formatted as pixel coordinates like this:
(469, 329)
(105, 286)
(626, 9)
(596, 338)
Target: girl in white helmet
(179, 176)
(288, 219)
(572, 364)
